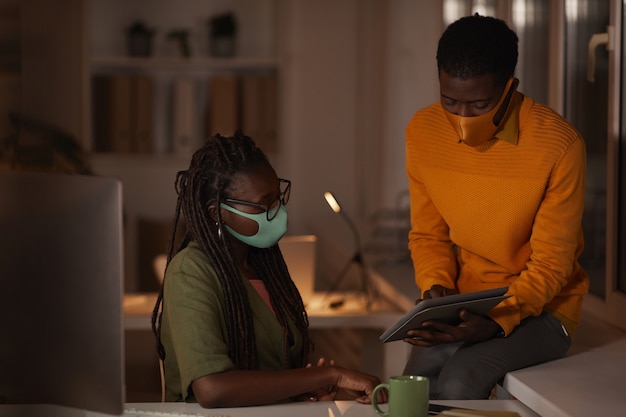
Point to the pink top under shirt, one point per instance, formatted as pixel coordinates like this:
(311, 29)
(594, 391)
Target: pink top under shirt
(259, 286)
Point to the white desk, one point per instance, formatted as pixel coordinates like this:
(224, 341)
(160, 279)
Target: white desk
(320, 409)
(585, 384)
(382, 359)
(305, 409)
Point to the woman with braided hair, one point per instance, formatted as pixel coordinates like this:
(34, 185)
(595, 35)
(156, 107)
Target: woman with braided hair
(230, 324)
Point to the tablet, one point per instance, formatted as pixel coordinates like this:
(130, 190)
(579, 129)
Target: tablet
(444, 309)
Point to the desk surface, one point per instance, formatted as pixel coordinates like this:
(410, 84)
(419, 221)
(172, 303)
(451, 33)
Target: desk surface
(586, 384)
(304, 409)
(320, 409)
(138, 312)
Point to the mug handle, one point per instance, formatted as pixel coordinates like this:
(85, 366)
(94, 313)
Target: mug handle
(375, 403)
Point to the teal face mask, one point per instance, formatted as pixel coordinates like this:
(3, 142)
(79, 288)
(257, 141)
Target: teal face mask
(270, 231)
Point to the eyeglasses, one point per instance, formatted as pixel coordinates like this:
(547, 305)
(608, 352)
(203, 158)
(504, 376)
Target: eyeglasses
(272, 210)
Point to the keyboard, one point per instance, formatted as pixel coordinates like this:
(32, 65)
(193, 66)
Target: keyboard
(140, 412)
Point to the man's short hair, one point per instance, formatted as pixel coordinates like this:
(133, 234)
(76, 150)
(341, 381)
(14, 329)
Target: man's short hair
(478, 45)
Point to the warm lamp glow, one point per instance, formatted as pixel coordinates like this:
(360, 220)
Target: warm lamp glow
(332, 202)
(368, 289)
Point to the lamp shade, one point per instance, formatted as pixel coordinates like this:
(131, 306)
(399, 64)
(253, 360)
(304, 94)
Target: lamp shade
(332, 201)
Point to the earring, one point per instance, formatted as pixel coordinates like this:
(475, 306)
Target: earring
(219, 230)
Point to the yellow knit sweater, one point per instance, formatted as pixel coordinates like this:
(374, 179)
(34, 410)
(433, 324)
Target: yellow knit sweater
(505, 213)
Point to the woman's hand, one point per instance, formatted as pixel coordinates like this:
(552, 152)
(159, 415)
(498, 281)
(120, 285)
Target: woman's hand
(360, 386)
(357, 385)
(327, 393)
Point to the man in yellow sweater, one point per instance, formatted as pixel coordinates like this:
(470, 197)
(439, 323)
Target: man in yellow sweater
(497, 190)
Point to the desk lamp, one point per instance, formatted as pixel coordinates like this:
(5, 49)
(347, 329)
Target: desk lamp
(367, 286)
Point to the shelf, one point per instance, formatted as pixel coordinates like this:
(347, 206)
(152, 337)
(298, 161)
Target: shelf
(163, 159)
(181, 64)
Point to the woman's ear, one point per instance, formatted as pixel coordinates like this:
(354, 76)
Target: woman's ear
(213, 212)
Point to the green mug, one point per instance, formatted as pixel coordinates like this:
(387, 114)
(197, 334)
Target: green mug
(408, 396)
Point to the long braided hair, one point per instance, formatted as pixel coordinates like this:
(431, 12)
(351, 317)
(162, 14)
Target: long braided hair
(210, 173)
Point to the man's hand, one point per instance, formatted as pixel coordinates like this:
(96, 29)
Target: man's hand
(472, 329)
(437, 291)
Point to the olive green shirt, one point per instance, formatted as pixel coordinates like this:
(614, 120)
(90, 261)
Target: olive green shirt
(194, 327)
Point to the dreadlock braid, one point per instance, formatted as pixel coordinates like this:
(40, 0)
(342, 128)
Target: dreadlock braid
(210, 172)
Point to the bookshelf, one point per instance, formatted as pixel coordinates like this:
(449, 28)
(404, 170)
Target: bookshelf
(109, 55)
(104, 63)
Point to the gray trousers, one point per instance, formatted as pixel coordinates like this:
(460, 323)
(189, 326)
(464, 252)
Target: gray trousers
(460, 371)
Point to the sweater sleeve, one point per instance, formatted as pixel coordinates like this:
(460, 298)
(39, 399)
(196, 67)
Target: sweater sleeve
(432, 251)
(556, 242)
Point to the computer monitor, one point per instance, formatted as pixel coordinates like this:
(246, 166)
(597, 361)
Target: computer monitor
(61, 274)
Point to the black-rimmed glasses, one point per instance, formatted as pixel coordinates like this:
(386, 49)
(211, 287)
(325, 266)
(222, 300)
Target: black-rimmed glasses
(271, 210)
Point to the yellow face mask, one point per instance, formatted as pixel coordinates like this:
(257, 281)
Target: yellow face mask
(477, 130)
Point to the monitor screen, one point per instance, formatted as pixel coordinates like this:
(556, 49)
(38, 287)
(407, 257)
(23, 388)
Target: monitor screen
(61, 274)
